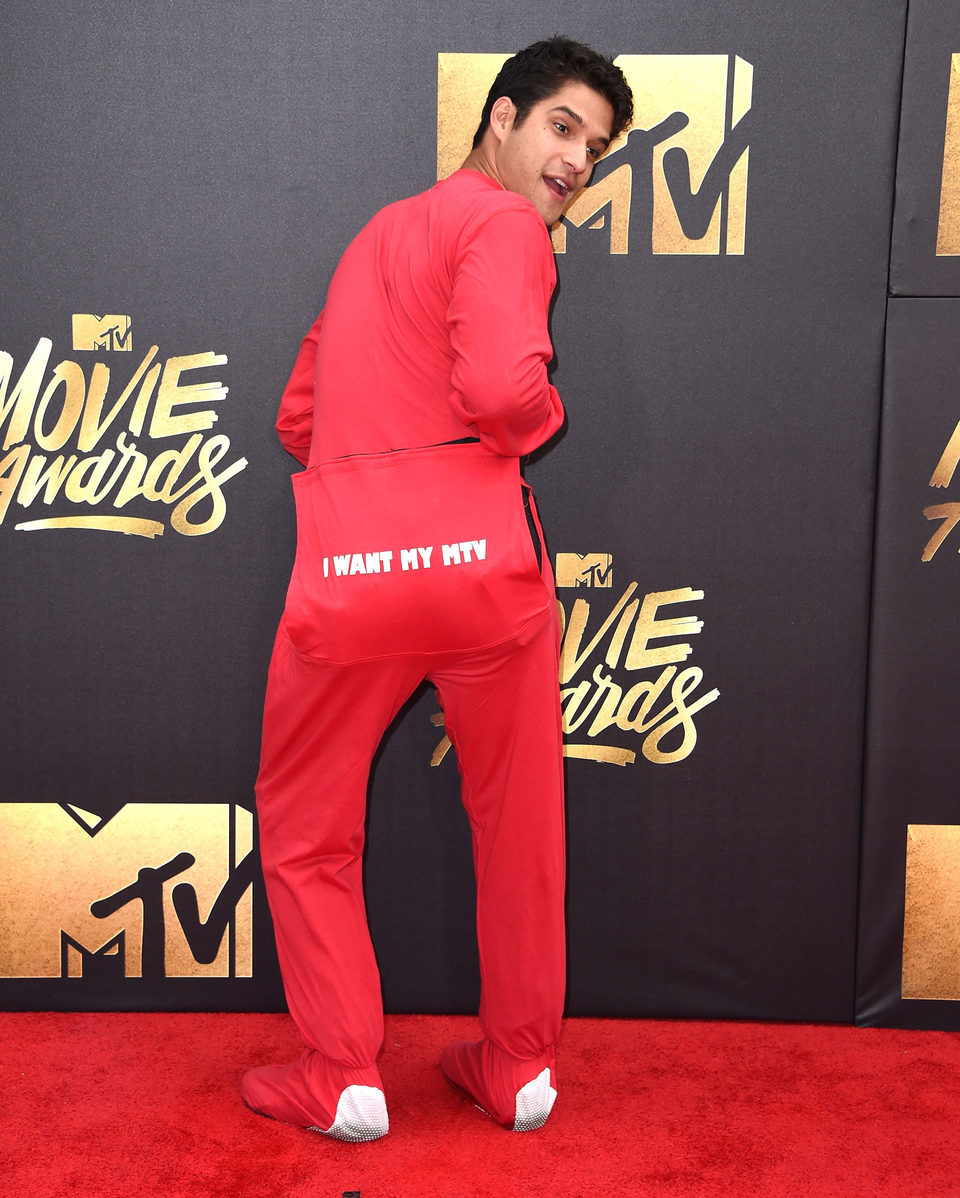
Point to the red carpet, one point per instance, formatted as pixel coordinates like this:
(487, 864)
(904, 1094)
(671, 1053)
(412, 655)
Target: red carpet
(136, 1105)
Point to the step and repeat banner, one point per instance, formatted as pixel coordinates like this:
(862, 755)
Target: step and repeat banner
(184, 181)
(909, 954)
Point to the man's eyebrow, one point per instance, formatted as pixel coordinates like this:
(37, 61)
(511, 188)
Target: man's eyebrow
(579, 119)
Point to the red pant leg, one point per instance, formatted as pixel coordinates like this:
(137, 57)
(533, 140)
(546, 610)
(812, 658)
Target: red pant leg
(502, 712)
(321, 726)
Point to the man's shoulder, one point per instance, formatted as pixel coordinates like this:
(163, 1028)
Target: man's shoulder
(465, 199)
(473, 193)
(455, 213)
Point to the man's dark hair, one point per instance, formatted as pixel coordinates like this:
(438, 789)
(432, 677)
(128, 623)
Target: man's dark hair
(544, 67)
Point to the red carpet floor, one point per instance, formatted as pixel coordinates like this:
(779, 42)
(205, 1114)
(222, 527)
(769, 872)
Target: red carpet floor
(136, 1105)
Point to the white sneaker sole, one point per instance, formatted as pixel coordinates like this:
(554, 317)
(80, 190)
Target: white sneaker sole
(361, 1116)
(534, 1103)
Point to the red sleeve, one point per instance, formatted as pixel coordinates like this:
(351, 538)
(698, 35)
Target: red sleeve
(504, 277)
(295, 418)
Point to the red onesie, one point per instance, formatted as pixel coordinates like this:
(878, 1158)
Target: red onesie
(419, 556)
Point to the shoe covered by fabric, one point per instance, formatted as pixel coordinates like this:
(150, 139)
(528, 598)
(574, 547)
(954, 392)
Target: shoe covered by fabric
(518, 1094)
(346, 1104)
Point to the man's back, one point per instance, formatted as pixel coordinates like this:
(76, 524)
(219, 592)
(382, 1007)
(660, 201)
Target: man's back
(435, 327)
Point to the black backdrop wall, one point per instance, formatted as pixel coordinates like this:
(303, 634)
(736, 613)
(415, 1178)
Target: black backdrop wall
(181, 181)
(909, 952)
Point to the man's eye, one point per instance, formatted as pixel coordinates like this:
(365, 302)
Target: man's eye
(593, 152)
(561, 126)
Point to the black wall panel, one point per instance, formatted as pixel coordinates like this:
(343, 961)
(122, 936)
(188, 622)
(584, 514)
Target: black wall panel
(908, 969)
(911, 864)
(199, 169)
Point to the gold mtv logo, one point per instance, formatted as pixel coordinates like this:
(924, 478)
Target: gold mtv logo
(584, 570)
(689, 138)
(101, 332)
(948, 223)
(158, 890)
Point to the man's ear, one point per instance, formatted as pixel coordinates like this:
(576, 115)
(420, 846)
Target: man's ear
(502, 114)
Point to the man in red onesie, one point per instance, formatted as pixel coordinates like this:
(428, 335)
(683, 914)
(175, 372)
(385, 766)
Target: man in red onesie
(420, 556)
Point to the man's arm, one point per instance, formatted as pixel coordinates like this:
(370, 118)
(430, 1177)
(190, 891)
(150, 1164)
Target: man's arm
(498, 331)
(295, 418)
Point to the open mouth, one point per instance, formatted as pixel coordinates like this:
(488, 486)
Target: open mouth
(557, 187)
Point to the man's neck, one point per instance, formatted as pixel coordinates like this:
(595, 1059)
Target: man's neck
(480, 159)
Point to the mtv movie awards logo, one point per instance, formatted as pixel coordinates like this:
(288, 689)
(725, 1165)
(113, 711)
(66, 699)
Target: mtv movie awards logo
(626, 682)
(948, 513)
(137, 890)
(675, 181)
(94, 443)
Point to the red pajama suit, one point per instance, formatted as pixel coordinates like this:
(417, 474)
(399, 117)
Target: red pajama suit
(419, 556)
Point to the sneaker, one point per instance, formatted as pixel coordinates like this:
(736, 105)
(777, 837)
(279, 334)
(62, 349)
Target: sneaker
(518, 1094)
(346, 1104)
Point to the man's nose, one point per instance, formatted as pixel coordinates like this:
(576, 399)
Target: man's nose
(577, 158)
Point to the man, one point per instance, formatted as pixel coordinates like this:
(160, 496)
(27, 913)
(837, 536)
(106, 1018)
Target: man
(420, 556)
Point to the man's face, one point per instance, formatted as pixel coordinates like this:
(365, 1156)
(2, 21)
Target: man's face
(551, 156)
